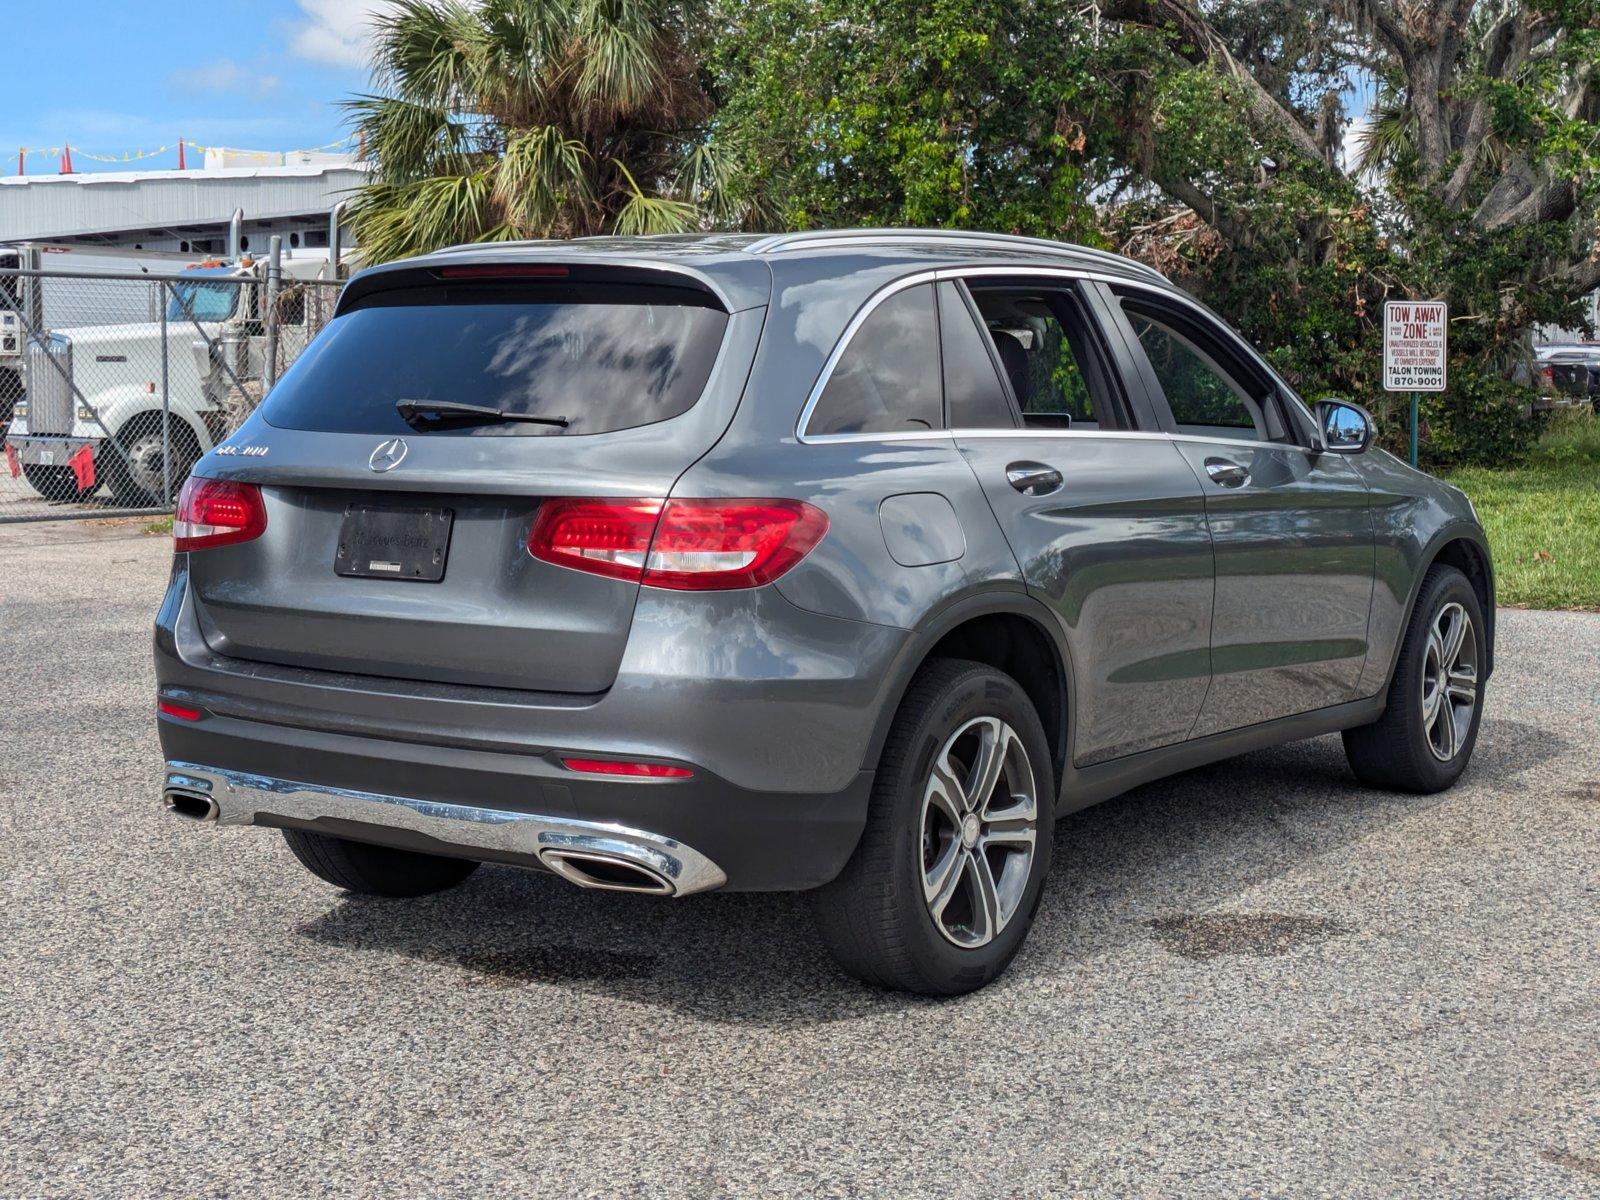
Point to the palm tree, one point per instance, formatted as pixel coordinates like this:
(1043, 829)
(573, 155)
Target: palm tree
(495, 120)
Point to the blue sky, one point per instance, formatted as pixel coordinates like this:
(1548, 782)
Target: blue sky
(109, 77)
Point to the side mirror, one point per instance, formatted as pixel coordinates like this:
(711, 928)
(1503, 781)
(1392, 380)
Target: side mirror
(1346, 428)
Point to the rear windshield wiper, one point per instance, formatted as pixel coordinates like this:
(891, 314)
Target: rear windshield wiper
(423, 414)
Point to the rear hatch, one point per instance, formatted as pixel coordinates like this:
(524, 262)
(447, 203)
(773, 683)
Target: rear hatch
(399, 548)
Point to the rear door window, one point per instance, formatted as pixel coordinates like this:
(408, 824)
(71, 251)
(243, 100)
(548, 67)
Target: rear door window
(603, 357)
(1051, 357)
(973, 394)
(887, 379)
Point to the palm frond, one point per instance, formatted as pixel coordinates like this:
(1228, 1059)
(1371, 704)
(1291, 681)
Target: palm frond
(406, 140)
(620, 68)
(708, 176)
(493, 119)
(542, 174)
(643, 214)
(394, 220)
(422, 51)
(1387, 138)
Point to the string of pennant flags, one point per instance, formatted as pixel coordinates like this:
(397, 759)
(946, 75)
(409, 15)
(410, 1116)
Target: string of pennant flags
(65, 153)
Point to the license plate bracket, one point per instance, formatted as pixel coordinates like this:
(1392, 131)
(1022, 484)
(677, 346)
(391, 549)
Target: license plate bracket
(394, 543)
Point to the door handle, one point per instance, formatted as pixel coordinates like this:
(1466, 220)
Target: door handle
(1033, 479)
(1225, 473)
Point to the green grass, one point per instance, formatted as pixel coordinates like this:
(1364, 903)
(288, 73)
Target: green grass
(163, 525)
(1543, 518)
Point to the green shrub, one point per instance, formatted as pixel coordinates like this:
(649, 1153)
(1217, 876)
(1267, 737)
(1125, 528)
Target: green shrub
(1478, 420)
(1571, 438)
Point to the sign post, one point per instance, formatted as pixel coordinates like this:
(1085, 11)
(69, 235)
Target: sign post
(1416, 337)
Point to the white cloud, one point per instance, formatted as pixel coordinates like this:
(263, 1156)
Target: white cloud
(224, 75)
(335, 32)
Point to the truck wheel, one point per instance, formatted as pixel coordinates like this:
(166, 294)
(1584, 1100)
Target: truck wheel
(375, 870)
(943, 886)
(55, 483)
(134, 471)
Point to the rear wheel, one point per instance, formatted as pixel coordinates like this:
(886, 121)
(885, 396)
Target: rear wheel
(1425, 737)
(942, 889)
(375, 870)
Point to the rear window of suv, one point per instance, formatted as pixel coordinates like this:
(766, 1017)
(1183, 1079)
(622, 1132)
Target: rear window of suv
(602, 356)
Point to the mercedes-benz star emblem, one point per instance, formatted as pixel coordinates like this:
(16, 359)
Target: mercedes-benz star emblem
(388, 455)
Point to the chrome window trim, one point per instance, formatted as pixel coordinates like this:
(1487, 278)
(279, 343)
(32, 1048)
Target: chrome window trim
(909, 435)
(1036, 434)
(1163, 289)
(1122, 434)
(1253, 443)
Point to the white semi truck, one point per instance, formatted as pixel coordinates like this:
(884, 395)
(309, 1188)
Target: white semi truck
(63, 301)
(101, 385)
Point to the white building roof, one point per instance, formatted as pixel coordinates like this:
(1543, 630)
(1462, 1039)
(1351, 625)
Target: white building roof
(40, 207)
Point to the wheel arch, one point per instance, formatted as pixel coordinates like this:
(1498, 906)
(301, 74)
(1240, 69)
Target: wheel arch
(1010, 631)
(1463, 546)
(150, 419)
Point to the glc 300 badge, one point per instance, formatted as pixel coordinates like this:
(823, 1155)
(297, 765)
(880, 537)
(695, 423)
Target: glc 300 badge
(388, 455)
(244, 451)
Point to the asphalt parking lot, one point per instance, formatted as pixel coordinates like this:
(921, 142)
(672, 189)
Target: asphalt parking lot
(1255, 979)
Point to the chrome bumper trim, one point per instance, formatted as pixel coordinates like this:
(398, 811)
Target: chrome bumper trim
(241, 797)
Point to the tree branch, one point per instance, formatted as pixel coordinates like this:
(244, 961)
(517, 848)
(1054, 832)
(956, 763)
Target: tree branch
(1584, 277)
(1191, 37)
(1509, 45)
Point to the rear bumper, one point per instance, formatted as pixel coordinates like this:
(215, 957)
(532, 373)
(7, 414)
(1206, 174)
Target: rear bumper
(47, 450)
(778, 796)
(498, 807)
(564, 845)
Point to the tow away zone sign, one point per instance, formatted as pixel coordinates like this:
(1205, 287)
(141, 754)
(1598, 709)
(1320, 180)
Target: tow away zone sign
(1415, 336)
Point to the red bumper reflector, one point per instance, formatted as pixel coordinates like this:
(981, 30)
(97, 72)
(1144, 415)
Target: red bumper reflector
(635, 770)
(168, 709)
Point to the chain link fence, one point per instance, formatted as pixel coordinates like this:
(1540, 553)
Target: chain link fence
(113, 386)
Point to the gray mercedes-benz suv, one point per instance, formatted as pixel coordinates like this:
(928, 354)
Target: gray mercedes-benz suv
(844, 562)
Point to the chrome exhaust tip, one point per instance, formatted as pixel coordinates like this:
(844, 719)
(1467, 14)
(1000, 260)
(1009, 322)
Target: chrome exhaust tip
(607, 872)
(192, 806)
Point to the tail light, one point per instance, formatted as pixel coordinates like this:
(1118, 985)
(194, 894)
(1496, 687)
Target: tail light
(214, 512)
(1547, 375)
(685, 545)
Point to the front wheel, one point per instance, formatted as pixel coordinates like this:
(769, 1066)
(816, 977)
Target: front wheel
(56, 483)
(942, 888)
(137, 468)
(1425, 737)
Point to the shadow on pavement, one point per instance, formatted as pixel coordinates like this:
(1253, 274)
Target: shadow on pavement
(1161, 853)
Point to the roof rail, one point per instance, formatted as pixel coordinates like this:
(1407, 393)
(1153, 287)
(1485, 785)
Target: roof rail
(972, 239)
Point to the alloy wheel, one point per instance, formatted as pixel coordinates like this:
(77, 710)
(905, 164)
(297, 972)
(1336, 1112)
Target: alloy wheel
(979, 830)
(1449, 681)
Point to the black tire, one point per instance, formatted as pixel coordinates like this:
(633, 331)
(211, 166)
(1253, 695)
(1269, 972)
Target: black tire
(375, 870)
(874, 917)
(1396, 752)
(56, 483)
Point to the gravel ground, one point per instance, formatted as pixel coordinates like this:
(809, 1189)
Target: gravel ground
(1256, 979)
